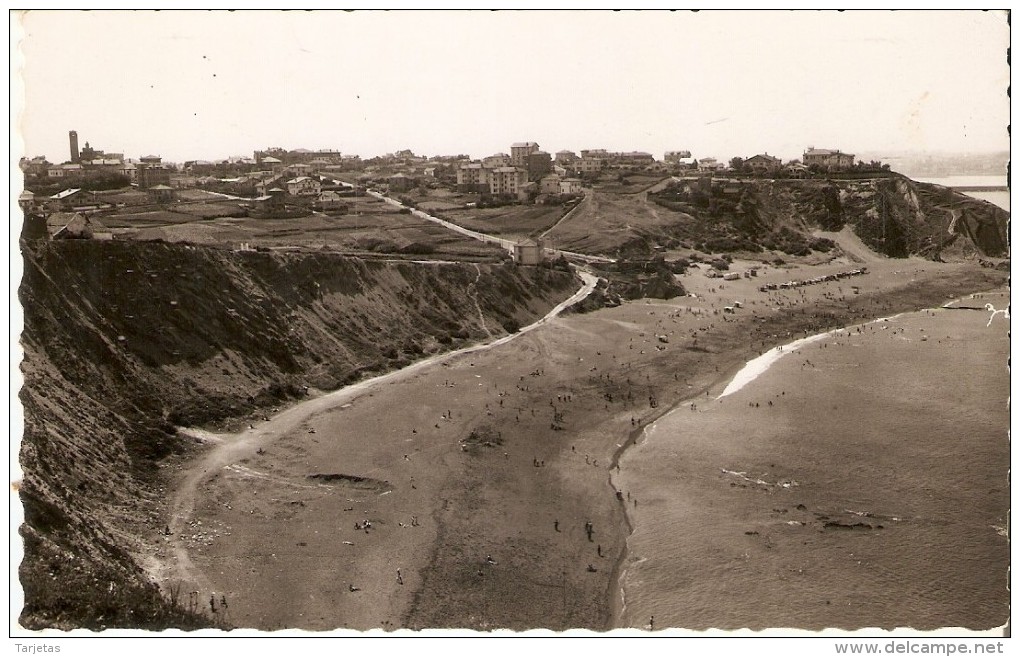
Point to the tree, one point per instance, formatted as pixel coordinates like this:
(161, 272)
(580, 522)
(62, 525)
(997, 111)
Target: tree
(737, 163)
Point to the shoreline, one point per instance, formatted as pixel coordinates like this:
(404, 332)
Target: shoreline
(488, 500)
(698, 455)
(618, 601)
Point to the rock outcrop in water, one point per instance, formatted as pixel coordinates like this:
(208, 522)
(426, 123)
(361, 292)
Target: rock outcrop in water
(125, 341)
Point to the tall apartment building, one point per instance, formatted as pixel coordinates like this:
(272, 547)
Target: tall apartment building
(520, 151)
(539, 164)
(473, 177)
(151, 171)
(507, 181)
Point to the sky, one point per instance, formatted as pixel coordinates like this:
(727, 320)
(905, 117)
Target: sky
(192, 85)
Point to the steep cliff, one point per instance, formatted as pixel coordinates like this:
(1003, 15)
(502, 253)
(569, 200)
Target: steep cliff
(124, 342)
(893, 215)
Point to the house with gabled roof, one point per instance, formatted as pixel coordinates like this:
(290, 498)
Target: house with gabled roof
(763, 163)
(529, 252)
(330, 201)
(400, 182)
(161, 194)
(66, 199)
(303, 186)
(26, 201)
(828, 159)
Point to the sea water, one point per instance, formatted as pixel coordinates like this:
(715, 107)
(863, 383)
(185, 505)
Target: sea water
(999, 198)
(861, 481)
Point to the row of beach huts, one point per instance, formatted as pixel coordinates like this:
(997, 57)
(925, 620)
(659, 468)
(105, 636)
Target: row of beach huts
(813, 281)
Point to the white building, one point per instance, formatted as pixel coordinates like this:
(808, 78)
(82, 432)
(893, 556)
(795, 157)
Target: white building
(529, 252)
(709, 164)
(303, 186)
(587, 165)
(571, 186)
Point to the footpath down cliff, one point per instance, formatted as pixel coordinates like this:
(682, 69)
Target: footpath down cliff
(124, 342)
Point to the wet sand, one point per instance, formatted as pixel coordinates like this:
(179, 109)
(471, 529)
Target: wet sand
(504, 454)
(860, 481)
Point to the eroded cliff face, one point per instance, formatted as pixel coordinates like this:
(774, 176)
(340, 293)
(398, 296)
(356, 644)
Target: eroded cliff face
(901, 217)
(893, 215)
(125, 341)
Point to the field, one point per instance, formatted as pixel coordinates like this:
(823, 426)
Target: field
(371, 227)
(210, 210)
(607, 223)
(632, 183)
(144, 219)
(133, 196)
(516, 221)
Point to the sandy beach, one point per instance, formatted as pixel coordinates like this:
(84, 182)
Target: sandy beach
(477, 493)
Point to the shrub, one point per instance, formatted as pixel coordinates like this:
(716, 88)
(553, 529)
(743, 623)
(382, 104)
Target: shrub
(822, 244)
(511, 325)
(679, 265)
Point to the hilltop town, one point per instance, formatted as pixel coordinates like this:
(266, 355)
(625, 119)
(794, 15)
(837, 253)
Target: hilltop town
(104, 195)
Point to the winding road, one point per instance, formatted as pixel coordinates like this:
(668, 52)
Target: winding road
(482, 237)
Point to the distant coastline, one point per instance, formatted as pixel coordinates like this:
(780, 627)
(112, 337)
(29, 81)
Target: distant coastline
(994, 189)
(968, 183)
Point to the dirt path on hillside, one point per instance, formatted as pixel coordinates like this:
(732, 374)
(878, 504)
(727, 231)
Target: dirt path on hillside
(852, 245)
